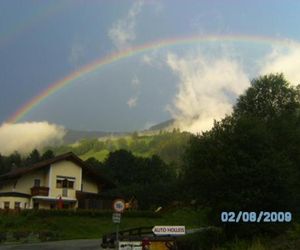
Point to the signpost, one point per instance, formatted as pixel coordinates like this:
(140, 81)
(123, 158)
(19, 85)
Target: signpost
(116, 218)
(169, 230)
(118, 206)
(130, 245)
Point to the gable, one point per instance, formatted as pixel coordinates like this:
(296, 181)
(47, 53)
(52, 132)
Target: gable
(65, 169)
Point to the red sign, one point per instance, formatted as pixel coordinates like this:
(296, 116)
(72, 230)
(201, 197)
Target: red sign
(119, 205)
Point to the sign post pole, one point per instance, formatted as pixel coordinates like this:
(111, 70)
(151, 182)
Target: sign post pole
(118, 206)
(117, 234)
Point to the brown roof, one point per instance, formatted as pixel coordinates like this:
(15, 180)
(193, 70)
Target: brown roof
(18, 172)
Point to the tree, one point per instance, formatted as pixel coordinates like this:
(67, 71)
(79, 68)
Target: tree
(14, 160)
(249, 160)
(122, 164)
(268, 97)
(33, 157)
(49, 154)
(150, 180)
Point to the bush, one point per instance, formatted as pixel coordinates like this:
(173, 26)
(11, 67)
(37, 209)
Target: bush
(202, 240)
(47, 235)
(89, 213)
(20, 234)
(2, 236)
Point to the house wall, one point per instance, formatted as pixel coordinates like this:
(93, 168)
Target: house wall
(42, 204)
(12, 201)
(67, 169)
(26, 182)
(48, 177)
(89, 185)
(7, 187)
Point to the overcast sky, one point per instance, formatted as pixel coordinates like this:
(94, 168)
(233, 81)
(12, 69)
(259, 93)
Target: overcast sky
(42, 42)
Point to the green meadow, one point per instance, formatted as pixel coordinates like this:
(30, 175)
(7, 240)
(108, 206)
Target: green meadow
(65, 225)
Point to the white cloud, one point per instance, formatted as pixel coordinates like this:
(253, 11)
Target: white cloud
(76, 54)
(284, 60)
(122, 32)
(153, 59)
(147, 59)
(158, 6)
(206, 91)
(135, 83)
(132, 102)
(24, 137)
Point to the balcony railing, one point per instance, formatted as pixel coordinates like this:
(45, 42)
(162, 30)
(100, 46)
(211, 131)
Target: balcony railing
(41, 191)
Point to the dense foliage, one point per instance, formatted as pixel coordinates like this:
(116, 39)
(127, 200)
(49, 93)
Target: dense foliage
(149, 180)
(168, 145)
(250, 160)
(16, 160)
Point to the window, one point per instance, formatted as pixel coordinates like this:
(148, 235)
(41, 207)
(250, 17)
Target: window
(17, 205)
(36, 205)
(71, 184)
(6, 204)
(65, 182)
(52, 206)
(58, 183)
(37, 182)
(25, 205)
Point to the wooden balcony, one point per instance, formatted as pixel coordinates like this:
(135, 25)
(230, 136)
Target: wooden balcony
(39, 191)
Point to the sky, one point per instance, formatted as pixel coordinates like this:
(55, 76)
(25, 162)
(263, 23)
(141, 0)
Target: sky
(193, 81)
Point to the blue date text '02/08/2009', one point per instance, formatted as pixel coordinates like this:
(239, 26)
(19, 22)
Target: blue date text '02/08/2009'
(262, 216)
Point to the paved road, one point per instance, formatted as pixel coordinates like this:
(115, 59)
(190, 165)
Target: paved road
(57, 245)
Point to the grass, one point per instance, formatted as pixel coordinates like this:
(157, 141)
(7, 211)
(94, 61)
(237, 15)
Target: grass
(244, 245)
(67, 226)
(89, 227)
(99, 155)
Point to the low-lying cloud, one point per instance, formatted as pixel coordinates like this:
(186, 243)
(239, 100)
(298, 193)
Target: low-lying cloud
(24, 137)
(207, 90)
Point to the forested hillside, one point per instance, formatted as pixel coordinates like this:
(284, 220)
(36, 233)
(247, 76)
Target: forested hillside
(168, 145)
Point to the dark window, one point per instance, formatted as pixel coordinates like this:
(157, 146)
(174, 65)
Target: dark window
(52, 206)
(65, 183)
(36, 205)
(71, 184)
(17, 205)
(58, 183)
(6, 205)
(37, 182)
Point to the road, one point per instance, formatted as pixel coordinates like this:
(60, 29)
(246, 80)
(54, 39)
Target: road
(57, 245)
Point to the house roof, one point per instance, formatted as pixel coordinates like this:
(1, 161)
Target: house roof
(18, 172)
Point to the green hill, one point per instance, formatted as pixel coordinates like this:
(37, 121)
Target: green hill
(168, 145)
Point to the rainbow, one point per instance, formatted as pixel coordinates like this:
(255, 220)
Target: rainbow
(116, 56)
